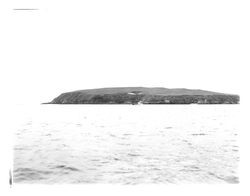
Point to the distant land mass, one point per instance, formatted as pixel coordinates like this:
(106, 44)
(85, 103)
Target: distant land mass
(143, 95)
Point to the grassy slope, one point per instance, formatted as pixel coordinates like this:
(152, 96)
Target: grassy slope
(147, 91)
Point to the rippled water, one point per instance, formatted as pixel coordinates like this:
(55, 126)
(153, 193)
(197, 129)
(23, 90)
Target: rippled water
(127, 144)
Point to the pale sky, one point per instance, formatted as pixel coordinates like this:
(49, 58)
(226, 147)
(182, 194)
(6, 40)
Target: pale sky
(72, 45)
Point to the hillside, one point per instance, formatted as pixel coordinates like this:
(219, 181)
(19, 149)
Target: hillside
(142, 95)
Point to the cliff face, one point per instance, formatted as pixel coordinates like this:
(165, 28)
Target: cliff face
(139, 95)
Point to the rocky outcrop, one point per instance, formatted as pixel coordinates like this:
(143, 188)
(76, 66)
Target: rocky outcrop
(140, 95)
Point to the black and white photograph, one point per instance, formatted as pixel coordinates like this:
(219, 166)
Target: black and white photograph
(135, 97)
(129, 135)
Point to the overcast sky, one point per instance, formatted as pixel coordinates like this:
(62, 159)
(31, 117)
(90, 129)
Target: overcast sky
(72, 45)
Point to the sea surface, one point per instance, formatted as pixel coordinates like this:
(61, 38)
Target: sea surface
(127, 144)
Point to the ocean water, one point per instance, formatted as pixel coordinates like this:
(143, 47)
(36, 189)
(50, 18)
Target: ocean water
(127, 144)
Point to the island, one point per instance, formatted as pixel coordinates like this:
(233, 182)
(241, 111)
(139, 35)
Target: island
(143, 95)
